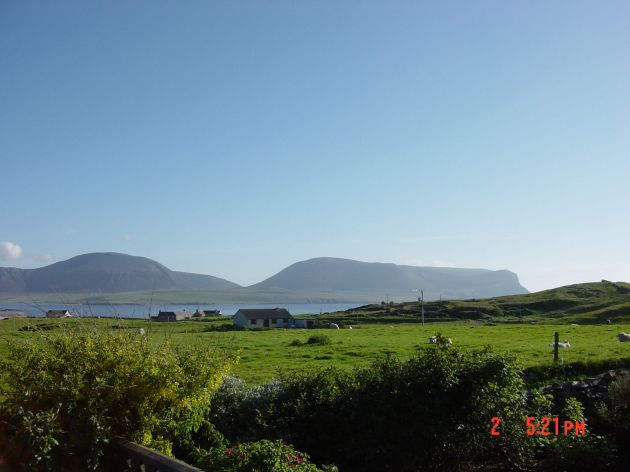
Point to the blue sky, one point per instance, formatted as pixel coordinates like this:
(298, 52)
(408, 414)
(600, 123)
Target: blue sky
(234, 138)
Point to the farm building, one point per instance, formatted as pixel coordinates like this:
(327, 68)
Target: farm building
(263, 318)
(58, 314)
(172, 316)
(307, 323)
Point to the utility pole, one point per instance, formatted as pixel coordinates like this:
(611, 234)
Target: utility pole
(421, 300)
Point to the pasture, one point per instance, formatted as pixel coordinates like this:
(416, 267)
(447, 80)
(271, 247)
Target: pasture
(266, 353)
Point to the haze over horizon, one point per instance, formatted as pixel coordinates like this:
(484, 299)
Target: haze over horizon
(236, 138)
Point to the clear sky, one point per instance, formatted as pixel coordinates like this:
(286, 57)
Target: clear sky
(234, 138)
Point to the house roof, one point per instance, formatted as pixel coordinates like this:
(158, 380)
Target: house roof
(265, 313)
(173, 313)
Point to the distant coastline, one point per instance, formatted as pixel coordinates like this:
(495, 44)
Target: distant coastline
(138, 311)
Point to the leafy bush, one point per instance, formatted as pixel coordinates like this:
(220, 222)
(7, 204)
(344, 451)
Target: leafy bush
(320, 339)
(261, 456)
(243, 413)
(63, 395)
(588, 452)
(443, 397)
(615, 415)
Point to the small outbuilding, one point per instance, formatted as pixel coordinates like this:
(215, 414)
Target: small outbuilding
(263, 318)
(307, 323)
(58, 314)
(170, 316)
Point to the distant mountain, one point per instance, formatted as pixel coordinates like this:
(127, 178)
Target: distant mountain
(113, 275)
(105, 272)
(327, 274)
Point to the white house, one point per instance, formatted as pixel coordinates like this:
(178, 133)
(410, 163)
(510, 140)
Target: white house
(58, 314)
(263, 318)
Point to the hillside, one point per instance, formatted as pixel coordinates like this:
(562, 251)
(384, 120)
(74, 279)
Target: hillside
(397, 281)
(580, 303)
(104, 272)
(121, 278)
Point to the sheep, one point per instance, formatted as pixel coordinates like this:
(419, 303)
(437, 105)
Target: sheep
(349, 327)
(563, 344)
(623, 337)
(573, 325)
(435, 339)
(333, 326)
(141, 332)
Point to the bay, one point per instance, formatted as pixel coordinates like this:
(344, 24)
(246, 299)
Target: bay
(143, 311)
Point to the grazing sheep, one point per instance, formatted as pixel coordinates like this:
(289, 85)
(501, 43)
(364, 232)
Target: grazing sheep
(623, 337)
(333, 326)
(435, 339)
(563, 344)
(141, 332)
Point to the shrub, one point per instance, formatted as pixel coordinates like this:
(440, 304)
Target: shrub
(443, 397)
(588, 452)
(261, 456)
(243, 413)
(65, 394)
(320, 339)
(615, 415)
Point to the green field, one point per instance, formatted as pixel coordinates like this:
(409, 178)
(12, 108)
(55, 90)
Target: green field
(266, 353)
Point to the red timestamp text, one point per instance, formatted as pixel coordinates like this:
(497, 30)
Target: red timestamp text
(545, 426)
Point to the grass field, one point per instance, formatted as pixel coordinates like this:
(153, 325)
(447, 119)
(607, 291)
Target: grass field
(265, 353)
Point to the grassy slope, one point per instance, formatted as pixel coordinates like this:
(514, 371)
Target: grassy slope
(581, 303)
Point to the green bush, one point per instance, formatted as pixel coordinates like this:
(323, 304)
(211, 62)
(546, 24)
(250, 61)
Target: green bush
(320, 339)
(63, 395)
(262, 456)
(615, 415)
(588, 452)
(431, 412)
(243, 413)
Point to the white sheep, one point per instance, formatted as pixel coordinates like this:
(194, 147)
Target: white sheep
(141, 332)
(563, 344)
(434, 340)
(623, 337)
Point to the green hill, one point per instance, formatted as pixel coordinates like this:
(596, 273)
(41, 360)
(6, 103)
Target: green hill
(580, 303)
